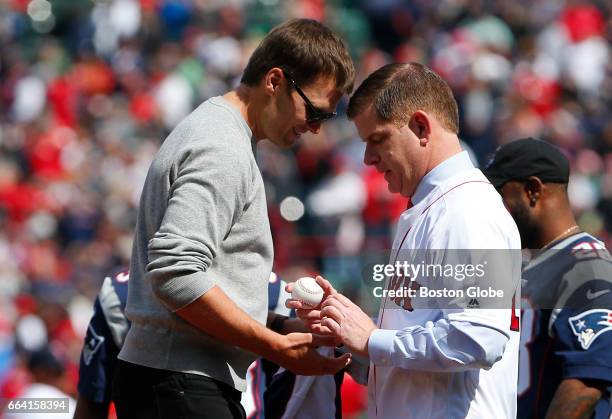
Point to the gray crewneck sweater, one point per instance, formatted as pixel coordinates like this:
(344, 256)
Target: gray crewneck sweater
(202, 222)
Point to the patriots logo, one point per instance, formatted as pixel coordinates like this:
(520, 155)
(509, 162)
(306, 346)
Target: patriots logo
(93, 342)
(589, 325)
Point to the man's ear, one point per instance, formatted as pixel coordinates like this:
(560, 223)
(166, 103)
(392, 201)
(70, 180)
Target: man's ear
(533, 188)
(420, 125)
(273, 80)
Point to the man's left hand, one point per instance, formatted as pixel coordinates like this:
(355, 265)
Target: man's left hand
(348, 322)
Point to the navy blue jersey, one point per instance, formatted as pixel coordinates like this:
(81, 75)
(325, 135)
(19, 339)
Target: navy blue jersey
(258, 374)
(105, 334)
(566, 323)
(290, 396)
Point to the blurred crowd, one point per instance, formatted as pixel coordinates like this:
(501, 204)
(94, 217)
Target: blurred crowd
(89, 89)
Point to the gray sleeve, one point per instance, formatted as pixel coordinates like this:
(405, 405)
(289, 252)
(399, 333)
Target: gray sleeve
(206, 196)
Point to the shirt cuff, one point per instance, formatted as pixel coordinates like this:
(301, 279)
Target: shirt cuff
(176, 292)
(594, 372)
(380, 346)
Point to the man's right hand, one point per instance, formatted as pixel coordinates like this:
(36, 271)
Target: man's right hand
(297, 353)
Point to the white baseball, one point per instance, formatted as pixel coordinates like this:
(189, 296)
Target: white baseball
(308, 291)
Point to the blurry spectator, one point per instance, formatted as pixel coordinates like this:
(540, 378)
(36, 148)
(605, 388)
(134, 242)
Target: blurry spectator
(48, 381)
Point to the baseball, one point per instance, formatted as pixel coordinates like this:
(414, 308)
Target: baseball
(307, 291)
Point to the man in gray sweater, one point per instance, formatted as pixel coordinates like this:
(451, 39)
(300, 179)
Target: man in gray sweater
(202, 252)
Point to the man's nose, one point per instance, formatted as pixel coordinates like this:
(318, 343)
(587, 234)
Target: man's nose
(369, 157)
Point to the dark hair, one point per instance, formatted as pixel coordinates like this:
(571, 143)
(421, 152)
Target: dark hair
(306, 49)
(45, 360)
(398, 90)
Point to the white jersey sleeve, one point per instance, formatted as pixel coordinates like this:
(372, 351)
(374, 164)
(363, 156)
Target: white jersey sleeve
(456, 342)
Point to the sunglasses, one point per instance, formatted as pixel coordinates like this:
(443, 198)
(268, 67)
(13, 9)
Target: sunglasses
(313, 114)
